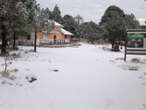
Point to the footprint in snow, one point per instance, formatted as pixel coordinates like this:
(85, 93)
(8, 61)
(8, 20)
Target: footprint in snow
(108, 103)
(6, 82)
(144, 105)
(27, 69)
(143, 84)
(142, 78)
(54, 70)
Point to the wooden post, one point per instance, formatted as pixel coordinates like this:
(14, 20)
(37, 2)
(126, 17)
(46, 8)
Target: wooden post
(14, 40)
(125, 55)
(4, 40)
(35, 40)
(126, 40)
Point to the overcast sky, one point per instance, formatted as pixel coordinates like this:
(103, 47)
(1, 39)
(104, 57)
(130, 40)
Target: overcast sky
(94, 9)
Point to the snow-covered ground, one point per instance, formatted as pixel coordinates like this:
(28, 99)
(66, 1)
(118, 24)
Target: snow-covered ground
(86, 78)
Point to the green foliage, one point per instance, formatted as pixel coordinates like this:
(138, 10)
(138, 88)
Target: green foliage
(90, 31)
(113, 24)
(56, 14)
(45, 15)
(70, 24)
(131, 22)
(16, 16)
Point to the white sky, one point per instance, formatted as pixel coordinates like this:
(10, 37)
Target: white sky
(94, 9)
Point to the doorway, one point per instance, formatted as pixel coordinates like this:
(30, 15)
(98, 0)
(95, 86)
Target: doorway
(54, 39)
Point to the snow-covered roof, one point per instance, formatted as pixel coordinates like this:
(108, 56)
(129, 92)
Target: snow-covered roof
(142, 21)
(66, 32)
(57, 24)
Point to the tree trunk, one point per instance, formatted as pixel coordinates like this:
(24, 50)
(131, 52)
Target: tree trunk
(14, 40)
(35, 40)
(4, 40)
(113, 43)
(115, 46)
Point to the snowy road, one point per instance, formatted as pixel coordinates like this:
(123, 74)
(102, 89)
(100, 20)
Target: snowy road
(88, 78)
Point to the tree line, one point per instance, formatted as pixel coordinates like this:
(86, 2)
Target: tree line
(114, 24)
(112, 27)
(16, 16)
(25, 16)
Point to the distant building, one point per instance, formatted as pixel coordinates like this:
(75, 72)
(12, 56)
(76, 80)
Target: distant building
(57, 35)
(24, 39)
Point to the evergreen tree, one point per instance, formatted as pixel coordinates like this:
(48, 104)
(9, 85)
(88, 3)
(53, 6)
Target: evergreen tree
(9, 16)
(16, 16)
(44, 16)
(56, 14)
(114, 26)
(131, 22)
(90, 31)
(70, 24)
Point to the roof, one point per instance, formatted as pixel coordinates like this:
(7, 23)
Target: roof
(57, 24)
(142, 21)
(66, 32)
(54, 32)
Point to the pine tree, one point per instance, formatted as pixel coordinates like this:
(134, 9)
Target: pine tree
(56, 14)
(16, 16)
(131, 22)
(113, 25)
(70, 24)
(90, 31)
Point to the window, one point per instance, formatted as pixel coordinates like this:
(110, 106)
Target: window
(65, 36)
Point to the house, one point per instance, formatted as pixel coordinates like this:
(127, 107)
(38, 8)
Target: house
(56, 36)
(24, 39)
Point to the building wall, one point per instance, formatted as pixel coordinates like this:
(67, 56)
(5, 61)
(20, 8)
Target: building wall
(40, 35)
(24, 40)
(59, 36)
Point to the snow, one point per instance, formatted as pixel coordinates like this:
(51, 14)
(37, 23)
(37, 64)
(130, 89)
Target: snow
(57, 24)
(142, 21)
(66, 32)
(88, 77)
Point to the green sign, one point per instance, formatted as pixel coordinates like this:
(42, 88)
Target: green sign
(135, 35)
